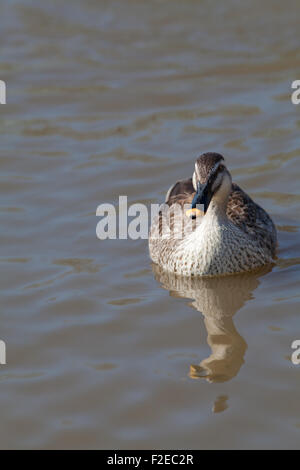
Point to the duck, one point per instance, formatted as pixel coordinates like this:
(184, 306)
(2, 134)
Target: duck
(208, 226)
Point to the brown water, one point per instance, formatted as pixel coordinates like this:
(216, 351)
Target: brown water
(118, 97)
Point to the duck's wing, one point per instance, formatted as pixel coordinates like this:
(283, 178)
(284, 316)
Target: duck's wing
(251, 218)
(178, 200)
(181, 192)
(171, 225)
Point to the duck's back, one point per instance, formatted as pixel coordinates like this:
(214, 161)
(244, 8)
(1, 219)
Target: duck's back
(251, 219)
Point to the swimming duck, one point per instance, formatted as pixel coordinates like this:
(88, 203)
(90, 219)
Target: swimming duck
(209, 226)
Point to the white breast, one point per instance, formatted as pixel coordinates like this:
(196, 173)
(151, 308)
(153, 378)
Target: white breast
(216, 247)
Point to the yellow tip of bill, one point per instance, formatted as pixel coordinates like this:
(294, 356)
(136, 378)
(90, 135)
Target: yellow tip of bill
(193, 212)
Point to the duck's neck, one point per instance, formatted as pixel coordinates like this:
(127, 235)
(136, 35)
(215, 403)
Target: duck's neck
(218, 205)
(217, 209)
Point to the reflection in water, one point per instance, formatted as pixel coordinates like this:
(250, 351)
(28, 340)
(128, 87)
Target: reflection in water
(218, 299)
(220, 404)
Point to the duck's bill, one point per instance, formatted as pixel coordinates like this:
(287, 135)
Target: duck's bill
(202, 196)
(193, 213)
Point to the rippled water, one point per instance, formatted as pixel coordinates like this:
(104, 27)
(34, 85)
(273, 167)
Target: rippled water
(118, 97)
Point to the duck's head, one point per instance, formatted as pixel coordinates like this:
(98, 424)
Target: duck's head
(211, 180)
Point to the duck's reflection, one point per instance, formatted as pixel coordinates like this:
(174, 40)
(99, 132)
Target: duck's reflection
(218, 299)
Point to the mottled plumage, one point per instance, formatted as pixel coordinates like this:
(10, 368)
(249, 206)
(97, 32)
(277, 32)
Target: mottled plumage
(233, 234)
